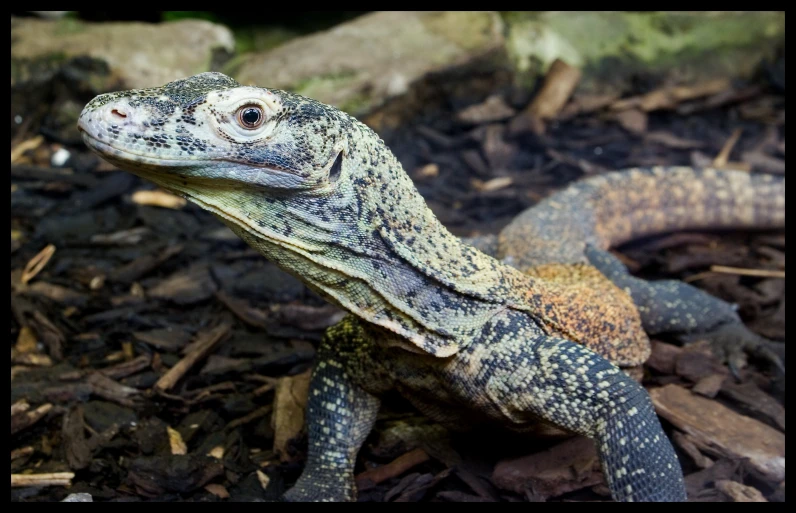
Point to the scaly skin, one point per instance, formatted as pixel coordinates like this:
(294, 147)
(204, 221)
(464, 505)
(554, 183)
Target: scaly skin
(465, 337)
(579, 224)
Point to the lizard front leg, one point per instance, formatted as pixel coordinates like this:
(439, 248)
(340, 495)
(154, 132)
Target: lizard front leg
(572, 387)
(671, 306)
(340, 414)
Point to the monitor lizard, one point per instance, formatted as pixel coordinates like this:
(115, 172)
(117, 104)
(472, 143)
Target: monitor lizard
(534, 339)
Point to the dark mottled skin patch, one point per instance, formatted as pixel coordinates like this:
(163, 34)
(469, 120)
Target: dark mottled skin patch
(461, 334)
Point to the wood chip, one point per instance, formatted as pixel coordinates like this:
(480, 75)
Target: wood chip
(490, 110)
(495, 184)
(670, 140)
(26, 341)
(48, 333)
(131, 237)
(37, 263)
(143, 265)
(428, 171)
(752, 398)
(167, 339)
(217, 452)
(559, 84)
(57, 293)
(159, 198)
(49, 479)
(263, 478)
(633, 120)
(724, 155)
(111, 390)
(29, 144)
(476, 162)
(218, 490)
(290, 401)
(709, 386)
(568, 466)
(663, 357)
(686, 443)
(586, 103)
(186, 286)
(763, 273)
(25, 419)
(22, 452)
(252, 316)
(395, 468)
(205, 342)
(176, 443)
(256, 414)
(739, 492)
(716, 429)
(671, 96)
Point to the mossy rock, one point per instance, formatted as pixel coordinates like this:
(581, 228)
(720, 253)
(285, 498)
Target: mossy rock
(138, 54)
(611, 47)
(359, 65)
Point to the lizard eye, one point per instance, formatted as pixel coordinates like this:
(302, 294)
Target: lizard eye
(250, 116)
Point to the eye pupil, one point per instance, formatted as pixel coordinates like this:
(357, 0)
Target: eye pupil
(250, 116)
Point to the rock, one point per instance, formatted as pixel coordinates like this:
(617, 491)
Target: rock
(611, 47)
(139, 54)
(359, 65)
(566, 467)
(717, 430)
(78, 497)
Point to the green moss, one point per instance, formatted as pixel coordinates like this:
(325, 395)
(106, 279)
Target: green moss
(189, 15)
(68, 25)
(318, 86)
(625, 42)
(258, 39)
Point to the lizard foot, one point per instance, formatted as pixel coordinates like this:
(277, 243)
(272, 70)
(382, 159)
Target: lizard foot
(733, 342)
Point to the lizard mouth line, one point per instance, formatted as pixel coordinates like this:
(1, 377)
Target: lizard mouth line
(110, 151)
(114, 152)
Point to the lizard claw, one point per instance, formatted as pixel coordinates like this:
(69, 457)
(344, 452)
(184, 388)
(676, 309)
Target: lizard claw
(734, 342)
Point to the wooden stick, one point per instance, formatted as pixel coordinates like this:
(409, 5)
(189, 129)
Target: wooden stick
(722, 269)
(721, 159)
(559, 83)
(49, 479)
(394, 468)
(201, 348)
(763, 273)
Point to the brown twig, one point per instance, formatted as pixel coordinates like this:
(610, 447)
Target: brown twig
(740, 271)
(49, 479)
(200, 349)
(37, 263)
(721, 159)
(559, 83)
(763, 273)
(28, 418)
(394, 468)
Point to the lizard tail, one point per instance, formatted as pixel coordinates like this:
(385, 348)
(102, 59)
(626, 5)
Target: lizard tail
(631, 204)
(613, 208)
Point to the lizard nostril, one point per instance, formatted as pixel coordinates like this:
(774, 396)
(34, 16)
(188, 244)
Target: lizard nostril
(119, 113)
